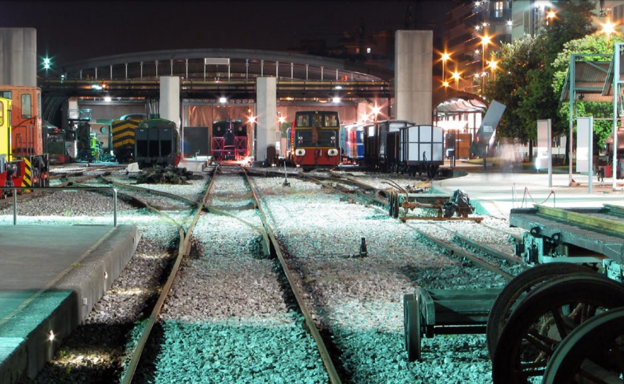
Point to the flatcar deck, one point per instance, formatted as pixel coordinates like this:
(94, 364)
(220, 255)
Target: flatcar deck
(587, 228)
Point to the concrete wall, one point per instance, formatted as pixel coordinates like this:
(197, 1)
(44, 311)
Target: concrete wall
(413, 76)
(18, 56)
(266, 110)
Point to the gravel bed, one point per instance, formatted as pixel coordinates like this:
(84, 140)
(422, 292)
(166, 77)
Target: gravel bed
(228, 308)
(228, 303)
(360, 299)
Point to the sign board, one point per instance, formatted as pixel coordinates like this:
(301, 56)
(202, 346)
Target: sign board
(584, 133)
(216, 61)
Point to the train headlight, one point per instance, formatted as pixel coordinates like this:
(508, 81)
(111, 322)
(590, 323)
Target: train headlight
(332, 152)
(299, 152)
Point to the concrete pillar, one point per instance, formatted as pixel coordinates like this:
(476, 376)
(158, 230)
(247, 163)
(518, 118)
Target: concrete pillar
(413, 76)
(18, 56)
(170, 99)
(266, 111)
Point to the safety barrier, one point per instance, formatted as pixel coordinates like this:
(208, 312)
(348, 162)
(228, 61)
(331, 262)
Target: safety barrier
(15, 189)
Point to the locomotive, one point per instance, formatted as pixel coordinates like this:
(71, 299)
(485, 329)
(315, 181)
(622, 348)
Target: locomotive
(23, 160)
(229, 140)
(394, 146)
(157, 142)
(123, 136)
(313, 139)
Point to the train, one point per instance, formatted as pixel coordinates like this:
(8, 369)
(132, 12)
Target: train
(394, 146)
(157, 142)
(229, 140)
(313, 139)
(24, 161)
(123, 130)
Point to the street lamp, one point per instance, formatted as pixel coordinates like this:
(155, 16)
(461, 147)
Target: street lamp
(456, 77)
(493, 67)
(608, 28)
(445, 57)
(485, 40)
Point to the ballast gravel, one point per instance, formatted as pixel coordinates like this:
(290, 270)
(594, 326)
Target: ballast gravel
(228, 294)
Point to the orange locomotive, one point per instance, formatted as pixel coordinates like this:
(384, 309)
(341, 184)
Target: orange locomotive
(23, 162)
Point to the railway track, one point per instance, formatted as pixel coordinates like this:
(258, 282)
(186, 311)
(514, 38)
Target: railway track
(235, 210)
(228, 305)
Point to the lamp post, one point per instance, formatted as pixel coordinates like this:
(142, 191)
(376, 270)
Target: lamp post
(608, 28)
(456, 76)
(493, 67)
(485, 40)
(445, 57)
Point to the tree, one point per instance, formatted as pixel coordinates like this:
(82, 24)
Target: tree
(523, 83)
(596, 43)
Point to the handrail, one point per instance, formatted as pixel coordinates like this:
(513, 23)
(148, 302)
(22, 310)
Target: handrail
(14, 189)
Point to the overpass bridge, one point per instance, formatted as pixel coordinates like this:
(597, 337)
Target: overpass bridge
(210, 74)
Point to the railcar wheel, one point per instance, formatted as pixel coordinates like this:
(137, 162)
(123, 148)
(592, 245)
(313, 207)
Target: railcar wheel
(411, 325)
(592, 353)
(544, 318)
(516, 289)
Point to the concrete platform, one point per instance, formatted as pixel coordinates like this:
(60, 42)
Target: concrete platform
(495, 192)
(50, 279)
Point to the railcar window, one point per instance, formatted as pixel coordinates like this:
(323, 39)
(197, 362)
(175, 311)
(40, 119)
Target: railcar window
(6, 94)
(1, 112)
(26, 106)
(303, 121)
(331, 120)
(317, 121)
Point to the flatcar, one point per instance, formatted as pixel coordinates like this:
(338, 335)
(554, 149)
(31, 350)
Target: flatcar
(24, 140)
(314, 139)
(157, 142)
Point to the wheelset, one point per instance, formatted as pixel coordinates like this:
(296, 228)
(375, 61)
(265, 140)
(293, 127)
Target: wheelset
(517, 289)
(544, 318)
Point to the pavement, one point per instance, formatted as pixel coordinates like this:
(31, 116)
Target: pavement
(50, 279)
(496, 190)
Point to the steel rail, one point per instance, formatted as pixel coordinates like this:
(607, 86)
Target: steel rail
(183, 251)
(481, 263)
(490, 250)
(152, 192)
(292, 280)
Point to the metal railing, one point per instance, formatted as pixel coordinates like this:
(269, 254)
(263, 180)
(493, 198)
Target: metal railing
(15, 189)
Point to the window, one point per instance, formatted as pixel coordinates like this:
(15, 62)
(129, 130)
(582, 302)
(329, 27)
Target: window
(498, 9)
(1, 112)
(26, 106)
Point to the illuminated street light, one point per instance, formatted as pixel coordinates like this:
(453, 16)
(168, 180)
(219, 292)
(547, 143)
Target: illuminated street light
(485, 40)
(608, 28)
(445, 57)
(456, 76)
(47, 63)
(493, 67)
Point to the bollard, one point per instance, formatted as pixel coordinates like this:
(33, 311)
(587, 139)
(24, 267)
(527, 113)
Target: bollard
(363, 251)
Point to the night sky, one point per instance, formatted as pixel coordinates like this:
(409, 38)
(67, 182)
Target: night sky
(74, 30)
